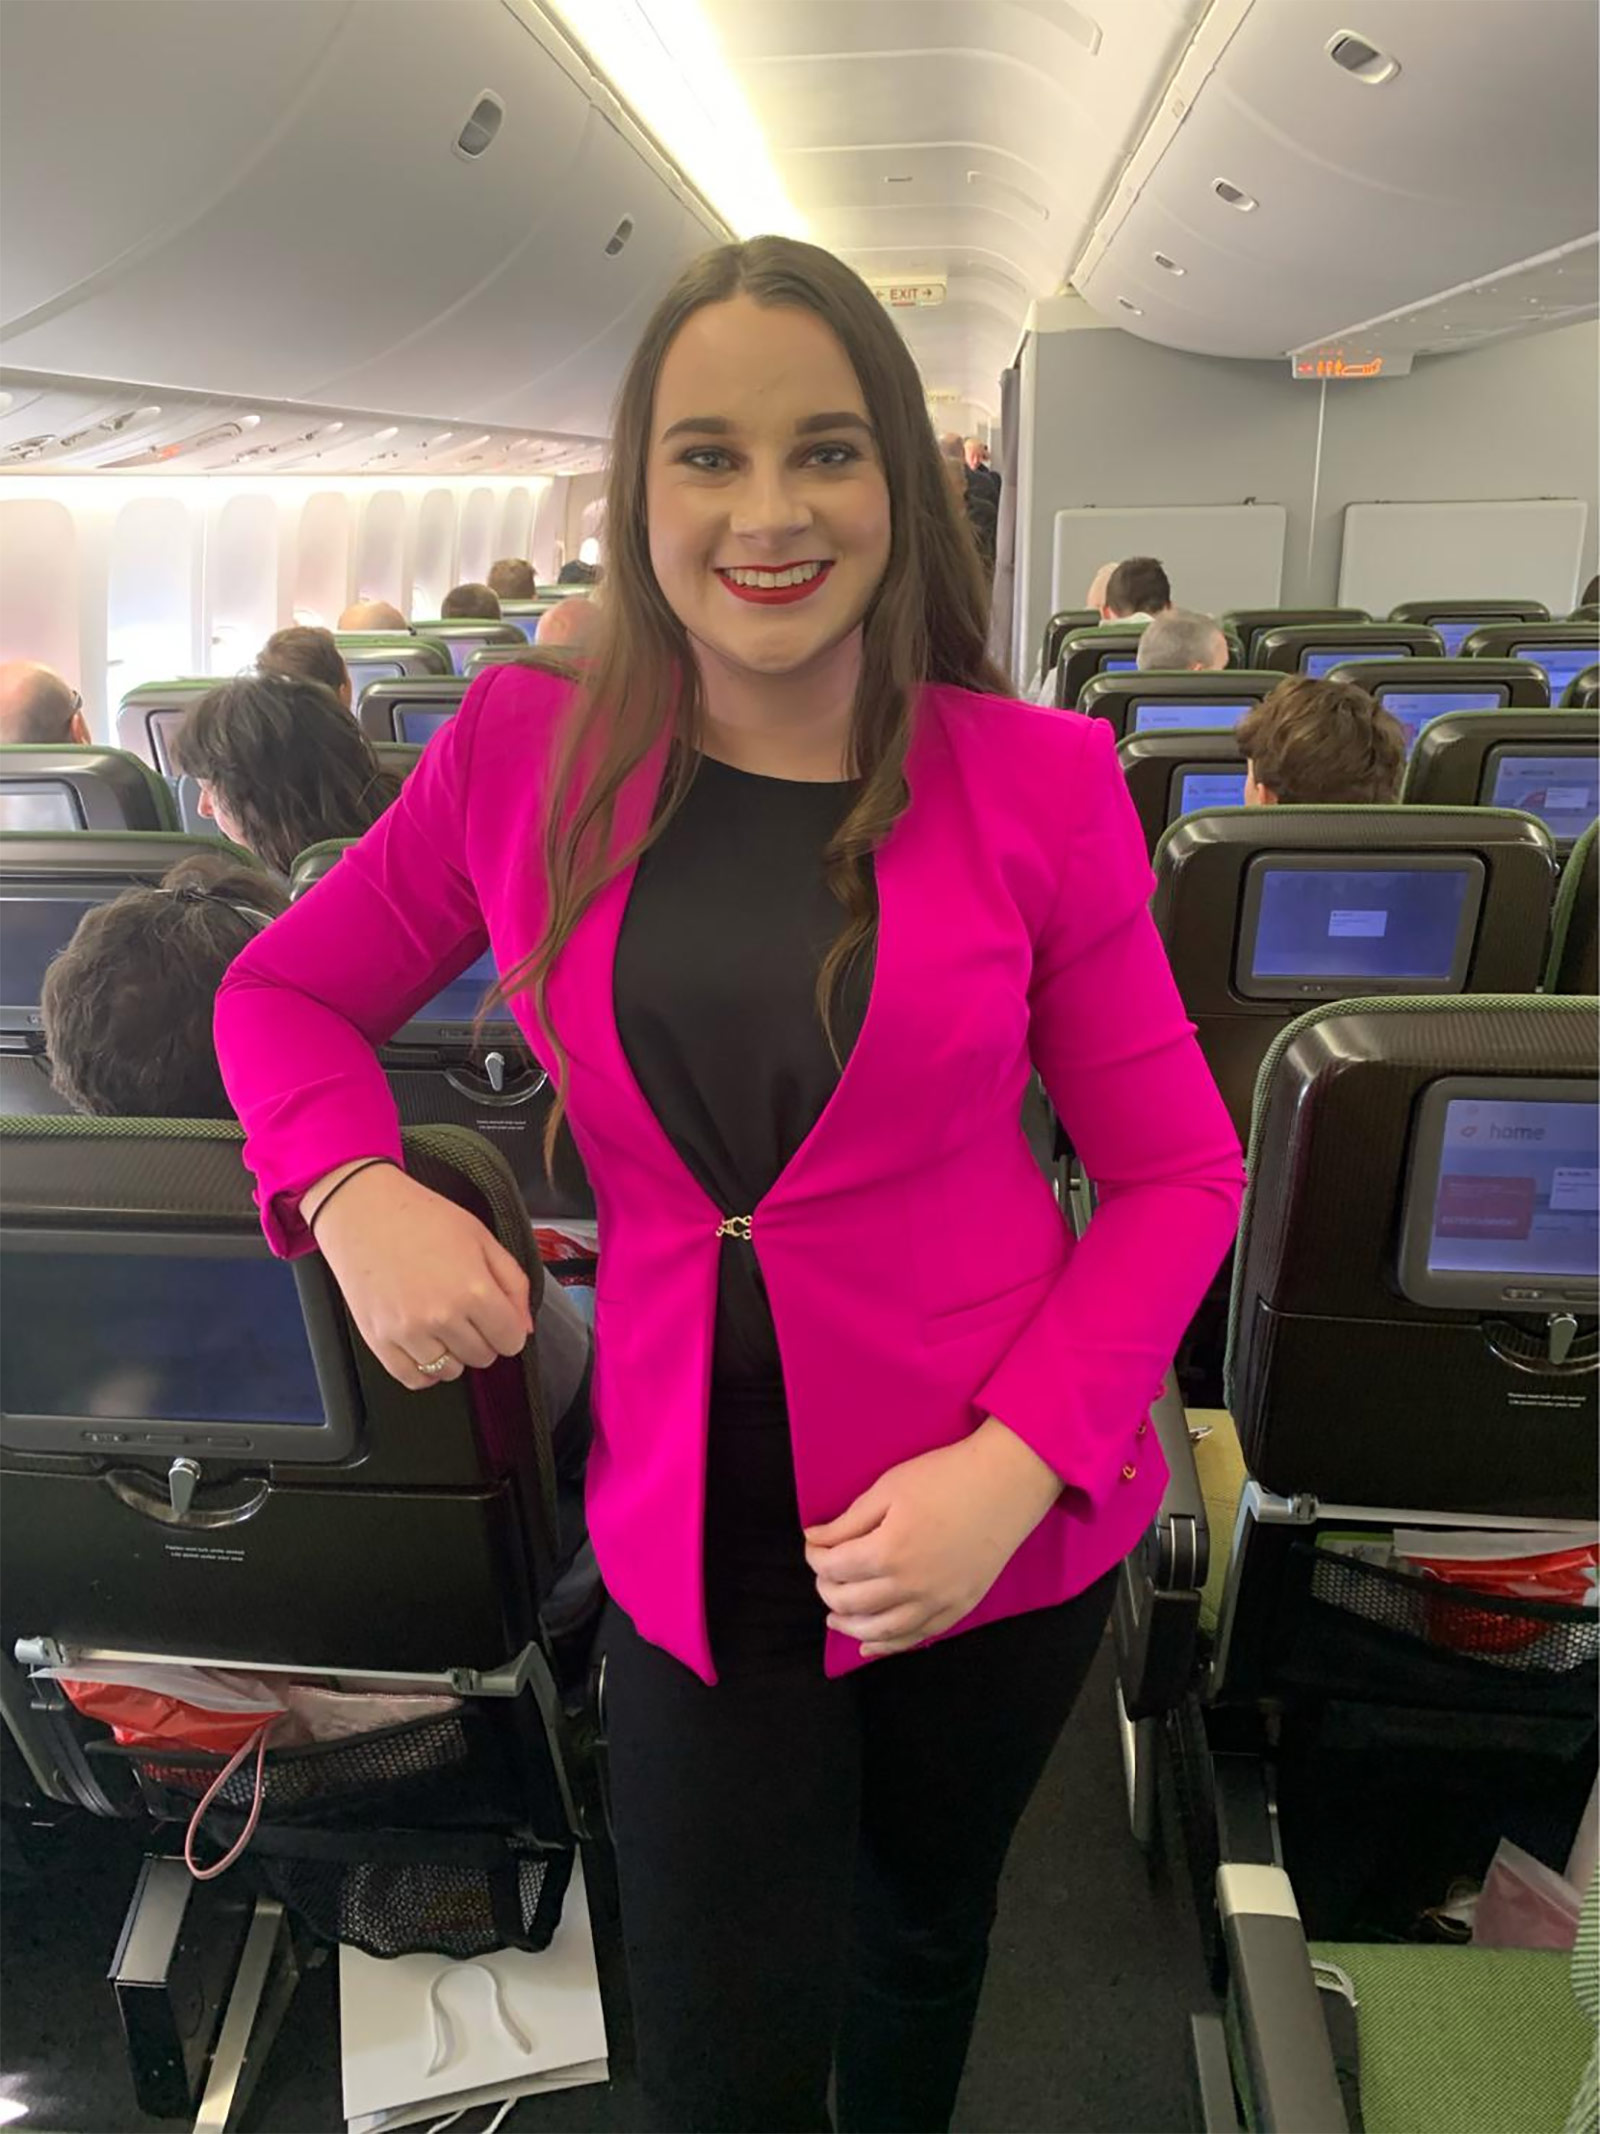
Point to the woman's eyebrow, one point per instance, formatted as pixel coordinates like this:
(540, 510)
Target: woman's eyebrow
(700, 426)
(844, 419)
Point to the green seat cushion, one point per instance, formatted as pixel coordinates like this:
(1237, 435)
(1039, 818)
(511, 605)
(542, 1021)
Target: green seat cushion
(1464, 2041)
(1219, 1464)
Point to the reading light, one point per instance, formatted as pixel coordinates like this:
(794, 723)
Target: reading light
(1171, 265)
(1235, 196)
(1127, 305)
(1361, 60)
(664, 61)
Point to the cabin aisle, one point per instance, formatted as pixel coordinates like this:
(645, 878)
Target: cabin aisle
(1082, 2031)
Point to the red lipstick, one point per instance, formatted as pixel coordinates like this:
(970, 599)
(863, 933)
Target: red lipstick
(775, 596)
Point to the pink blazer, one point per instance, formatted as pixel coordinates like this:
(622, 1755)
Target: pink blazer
(921, 1274)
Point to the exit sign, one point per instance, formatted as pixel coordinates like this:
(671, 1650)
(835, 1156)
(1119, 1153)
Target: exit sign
(909, 296)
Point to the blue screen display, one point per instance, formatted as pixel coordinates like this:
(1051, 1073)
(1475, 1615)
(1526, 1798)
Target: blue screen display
(362, 671)
(1562, 663)
(527, 624)
(170, 1340)
(1517, 1189)
(1385, 924)
(1415, 707)
(1563, 791)
(1318, 661)
(1119, 666)
(419, 727)
(458, 1004)
(1172, 718)
(1210, 789)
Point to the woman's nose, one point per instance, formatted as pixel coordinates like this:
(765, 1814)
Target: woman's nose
(769, 504)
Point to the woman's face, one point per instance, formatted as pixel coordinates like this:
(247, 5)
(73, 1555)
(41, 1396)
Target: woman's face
(216, 810)
(767, 505)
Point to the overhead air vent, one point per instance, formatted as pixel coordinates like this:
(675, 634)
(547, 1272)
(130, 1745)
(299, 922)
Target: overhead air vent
(1169, 265)
(1362, 60)
(1128, 305)
(1234, 196)
(619, 237)
(483, 123)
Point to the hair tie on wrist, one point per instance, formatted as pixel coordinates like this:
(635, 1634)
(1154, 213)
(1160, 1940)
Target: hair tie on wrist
(313, 1220)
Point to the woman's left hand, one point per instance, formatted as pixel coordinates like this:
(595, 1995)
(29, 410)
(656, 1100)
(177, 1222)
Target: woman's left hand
(919, 1549)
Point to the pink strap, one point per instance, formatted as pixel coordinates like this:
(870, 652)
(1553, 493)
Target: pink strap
(258, 1741)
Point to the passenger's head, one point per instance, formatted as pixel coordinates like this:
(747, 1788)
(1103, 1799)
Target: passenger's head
(1095, 597)
(512, 579)
(470, 603)
(577, 572)
(1138, 586)
(1320, 744)
(573, 621)
(372, 615)
(770, 426)
(311, 655)
(127, 1005)
(1178, 641)
(1591, 594)
(37, 706)
(976, 451)
(282, 765)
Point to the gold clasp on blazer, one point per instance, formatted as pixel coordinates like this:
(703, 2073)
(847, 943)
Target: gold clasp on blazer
(735, 1226)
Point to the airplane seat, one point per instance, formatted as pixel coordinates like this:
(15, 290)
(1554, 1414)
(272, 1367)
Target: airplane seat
(410, 710)
(1110, 648)
(443, 1072)
(1160, 702)
(1065, 622)
(461, 639)
(1582, 693)
(550, 659)
(1387, 1370)
(1547, 763)
(524, 615)
(204, 1465)
(48, 880)
(1574, 965)
(1563, 650)
(1415, 690)
(1315, 648)
(44, 788)
(399, 758)
(1248, 624)
(149, 716)
(1173, 774)
(1455, 620)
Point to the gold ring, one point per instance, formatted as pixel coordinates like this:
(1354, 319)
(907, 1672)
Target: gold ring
(439, 1363)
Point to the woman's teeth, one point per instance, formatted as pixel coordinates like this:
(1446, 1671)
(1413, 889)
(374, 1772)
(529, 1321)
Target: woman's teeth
(768, 581)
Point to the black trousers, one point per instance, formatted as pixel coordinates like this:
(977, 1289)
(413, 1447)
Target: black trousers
(808, 1867)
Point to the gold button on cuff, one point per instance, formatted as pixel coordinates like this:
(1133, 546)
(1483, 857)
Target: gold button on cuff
(1128, 1473)
(1143, 1427)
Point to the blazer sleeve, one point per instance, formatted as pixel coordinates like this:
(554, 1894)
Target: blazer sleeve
(1109, 1035)
(302, 1010)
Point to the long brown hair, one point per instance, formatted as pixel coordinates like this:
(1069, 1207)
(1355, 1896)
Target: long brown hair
(926, 622)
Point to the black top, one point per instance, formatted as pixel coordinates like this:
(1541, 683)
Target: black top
(727, 924)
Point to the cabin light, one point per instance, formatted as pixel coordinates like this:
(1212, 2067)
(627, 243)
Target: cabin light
(1170, 265)
(1234, 196)
(443, 438)
(328, 429)
(1361, 59)
(379, 437)
(5, 401)
(249, 422)
(1128, 305)
(662, 58)
(589, 550)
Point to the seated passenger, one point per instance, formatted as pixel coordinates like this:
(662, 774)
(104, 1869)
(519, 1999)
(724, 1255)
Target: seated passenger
(282, 765)
(37, 706)
(1320, 744)
(578, 572)
(571, 622)
(373, 615)
(470, 603)
(127, 1005)
(1180, 643)
(1137, 591)
(512, 579)
(311, 655)
(127, 1010)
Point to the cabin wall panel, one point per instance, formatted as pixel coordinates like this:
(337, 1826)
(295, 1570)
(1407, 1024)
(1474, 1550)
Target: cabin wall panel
(153, 595)
(39, 588)
(241, 572)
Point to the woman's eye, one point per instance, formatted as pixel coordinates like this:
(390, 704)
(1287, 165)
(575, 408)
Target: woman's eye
(834, 455)
(707, 459)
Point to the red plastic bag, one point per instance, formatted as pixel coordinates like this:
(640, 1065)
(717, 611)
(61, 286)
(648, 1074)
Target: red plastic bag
(147, 1718)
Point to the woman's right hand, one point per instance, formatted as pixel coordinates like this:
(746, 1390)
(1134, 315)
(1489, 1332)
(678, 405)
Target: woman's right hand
(421, 1277)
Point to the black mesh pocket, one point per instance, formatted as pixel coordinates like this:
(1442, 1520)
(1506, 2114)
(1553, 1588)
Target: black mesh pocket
(384, 1776)
(459, 1901)
(1371, 1634)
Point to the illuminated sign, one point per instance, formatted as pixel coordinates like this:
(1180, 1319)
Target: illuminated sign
(1336, 367)
(908, 296)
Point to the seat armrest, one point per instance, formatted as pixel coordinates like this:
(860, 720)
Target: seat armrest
(1155, 1614)
(1287, 2078)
